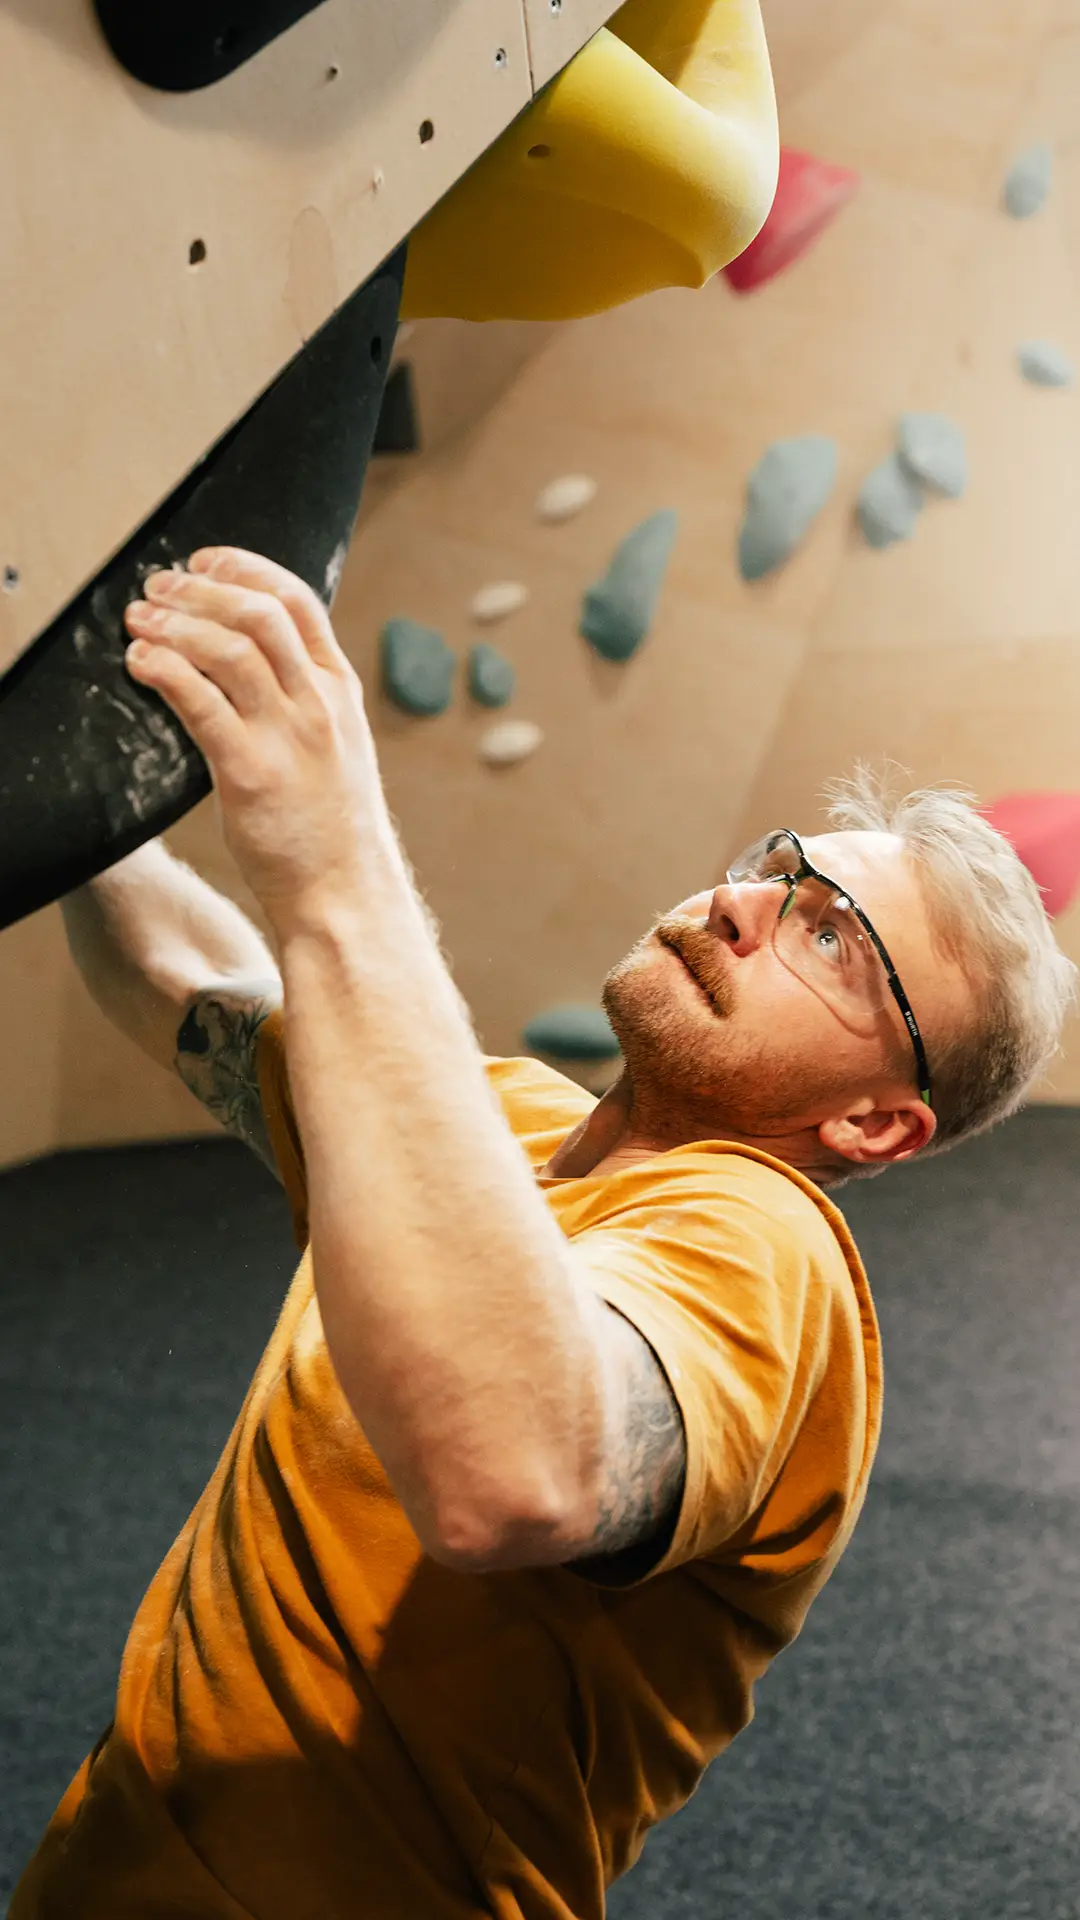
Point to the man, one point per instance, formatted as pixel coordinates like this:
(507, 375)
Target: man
(571, 1407)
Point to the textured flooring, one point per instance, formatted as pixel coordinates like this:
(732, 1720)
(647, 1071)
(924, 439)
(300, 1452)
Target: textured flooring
(915, 1755)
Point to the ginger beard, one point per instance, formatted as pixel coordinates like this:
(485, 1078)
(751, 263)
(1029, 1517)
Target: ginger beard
(691, 1061)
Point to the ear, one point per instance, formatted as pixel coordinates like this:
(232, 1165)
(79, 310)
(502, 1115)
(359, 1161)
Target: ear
(869, 1134)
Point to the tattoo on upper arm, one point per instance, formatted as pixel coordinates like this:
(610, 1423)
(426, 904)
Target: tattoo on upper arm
(645, 1473)
(216, 1059)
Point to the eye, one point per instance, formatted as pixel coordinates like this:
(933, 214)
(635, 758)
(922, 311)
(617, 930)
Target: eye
(830, 943)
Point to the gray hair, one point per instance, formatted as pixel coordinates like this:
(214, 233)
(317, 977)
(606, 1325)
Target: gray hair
(987, 913)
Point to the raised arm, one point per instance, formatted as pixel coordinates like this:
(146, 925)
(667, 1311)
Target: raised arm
(184, 974)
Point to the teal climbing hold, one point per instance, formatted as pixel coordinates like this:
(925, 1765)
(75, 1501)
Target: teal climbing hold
(890, 501)
(617, 612)
(784, 495)
(572, 1033)
(1045, 365)
(491, 677)
(932, 449)
(417, 666)
(1027, 182)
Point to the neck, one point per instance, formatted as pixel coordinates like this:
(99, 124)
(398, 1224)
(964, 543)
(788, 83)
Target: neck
(617, 1134)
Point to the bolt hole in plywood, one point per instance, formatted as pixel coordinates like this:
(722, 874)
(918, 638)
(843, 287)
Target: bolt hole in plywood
(427, 132)
(11, 579)
(197, 253)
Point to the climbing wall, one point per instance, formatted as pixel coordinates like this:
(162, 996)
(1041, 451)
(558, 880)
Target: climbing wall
(955, 651)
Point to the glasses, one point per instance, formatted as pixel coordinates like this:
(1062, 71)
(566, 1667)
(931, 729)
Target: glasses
(823, 937)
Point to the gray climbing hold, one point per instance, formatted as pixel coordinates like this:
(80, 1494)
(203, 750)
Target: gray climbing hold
(932, 449)
(417, 666)
(784, 495)
(572, 1033)
(491, 677)
(1045, 365)
(1027, 182)
(890, 501)
(617, 612)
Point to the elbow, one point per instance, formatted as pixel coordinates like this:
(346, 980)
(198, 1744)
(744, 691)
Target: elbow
(496, 1537)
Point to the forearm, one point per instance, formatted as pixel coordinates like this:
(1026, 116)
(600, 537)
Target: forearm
(460, 1333)
(148, 932)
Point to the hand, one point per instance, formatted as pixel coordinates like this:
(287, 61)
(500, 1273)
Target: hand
(245, 655)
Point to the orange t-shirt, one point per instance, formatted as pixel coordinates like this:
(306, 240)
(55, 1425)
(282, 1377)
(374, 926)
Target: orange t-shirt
(314, 1718)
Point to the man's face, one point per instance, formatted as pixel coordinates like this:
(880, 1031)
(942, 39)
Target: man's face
(718, 1031)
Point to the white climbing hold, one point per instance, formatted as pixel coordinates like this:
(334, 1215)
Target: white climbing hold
(566, 496)
(509, 741)
(496, 601)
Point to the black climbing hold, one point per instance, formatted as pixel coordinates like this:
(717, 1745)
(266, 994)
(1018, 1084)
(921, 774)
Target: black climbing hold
(91, 763)
(181, 45)
(398, 430)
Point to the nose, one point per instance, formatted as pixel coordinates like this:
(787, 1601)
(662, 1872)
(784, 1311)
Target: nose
(743, 914)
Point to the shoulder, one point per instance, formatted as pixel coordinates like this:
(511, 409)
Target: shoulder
(717, 1237)
(540, 1105)
(736, 1192)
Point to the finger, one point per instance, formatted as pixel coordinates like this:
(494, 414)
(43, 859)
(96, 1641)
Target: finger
(210, 719)
(266, 623)
(232, 661)
(255, 570)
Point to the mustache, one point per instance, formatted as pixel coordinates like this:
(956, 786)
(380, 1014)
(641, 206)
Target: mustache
(698, 950)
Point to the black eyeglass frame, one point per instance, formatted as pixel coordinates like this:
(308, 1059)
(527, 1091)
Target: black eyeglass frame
(808, 872)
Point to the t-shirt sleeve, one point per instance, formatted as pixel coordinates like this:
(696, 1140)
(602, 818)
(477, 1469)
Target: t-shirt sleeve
(280, 1120)
(720, 1287)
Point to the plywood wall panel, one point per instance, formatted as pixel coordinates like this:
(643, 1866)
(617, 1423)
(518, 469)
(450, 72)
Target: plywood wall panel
(1000, 564)
(920, 94)
(108, 1090)
(120, 362)
(806, 43)
(556, 29)
(34, 978)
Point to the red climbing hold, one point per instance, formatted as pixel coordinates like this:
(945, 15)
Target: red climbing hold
(1045, 830)
(809, 194)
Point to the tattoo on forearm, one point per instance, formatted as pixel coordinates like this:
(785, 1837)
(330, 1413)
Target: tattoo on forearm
(645, 1475)
(215, 1058)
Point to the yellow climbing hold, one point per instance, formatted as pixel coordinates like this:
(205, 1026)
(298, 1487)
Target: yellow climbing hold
(650, 161)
